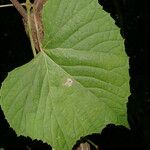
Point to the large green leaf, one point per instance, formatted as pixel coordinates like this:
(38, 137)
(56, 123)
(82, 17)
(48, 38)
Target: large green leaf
(42, 101)
(77, 85)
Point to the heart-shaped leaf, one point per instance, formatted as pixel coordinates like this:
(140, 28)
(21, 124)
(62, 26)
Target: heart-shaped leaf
(77, 85)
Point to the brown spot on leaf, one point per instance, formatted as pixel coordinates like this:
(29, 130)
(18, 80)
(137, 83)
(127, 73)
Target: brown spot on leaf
(69, 82)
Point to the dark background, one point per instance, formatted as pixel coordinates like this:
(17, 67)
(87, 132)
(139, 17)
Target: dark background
(133, 17)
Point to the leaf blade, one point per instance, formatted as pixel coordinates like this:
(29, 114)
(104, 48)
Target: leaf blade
(40, 111)
(83, 70)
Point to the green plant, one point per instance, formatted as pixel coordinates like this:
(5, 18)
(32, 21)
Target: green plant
(78, 80)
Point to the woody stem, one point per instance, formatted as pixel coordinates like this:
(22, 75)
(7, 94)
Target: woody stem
(20, 8)
(28, 6)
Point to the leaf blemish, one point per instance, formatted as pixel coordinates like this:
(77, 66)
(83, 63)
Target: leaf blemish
(68, 82)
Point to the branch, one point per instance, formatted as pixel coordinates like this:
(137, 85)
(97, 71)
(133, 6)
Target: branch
(10, 5)
(38, 5)
(20, 8)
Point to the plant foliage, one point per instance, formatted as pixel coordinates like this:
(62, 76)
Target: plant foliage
(77, 84)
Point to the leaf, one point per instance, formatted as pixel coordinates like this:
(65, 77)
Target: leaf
(40, 101)
(77, 85)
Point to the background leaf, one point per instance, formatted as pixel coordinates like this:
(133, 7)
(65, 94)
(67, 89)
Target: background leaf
(79, 85)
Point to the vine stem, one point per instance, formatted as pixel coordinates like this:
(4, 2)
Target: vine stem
(19, 7)
(28, 6)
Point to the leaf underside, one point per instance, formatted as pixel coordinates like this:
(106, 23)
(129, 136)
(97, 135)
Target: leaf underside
(77, 85)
